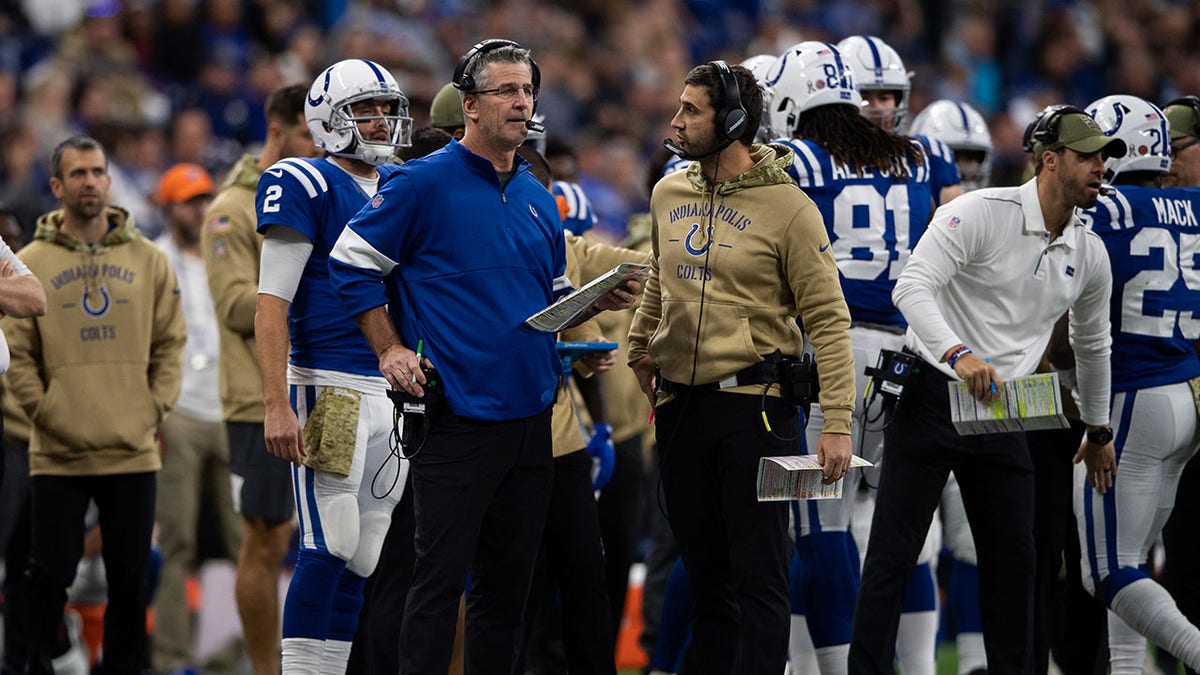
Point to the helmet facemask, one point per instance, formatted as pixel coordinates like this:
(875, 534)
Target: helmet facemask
(329, 112)
(370, 151)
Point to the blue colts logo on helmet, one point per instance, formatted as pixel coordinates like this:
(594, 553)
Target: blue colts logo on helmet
(1119, 111)
(314, 102)
(86, 303)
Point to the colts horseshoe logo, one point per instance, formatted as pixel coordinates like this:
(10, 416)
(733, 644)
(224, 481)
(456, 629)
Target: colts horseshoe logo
(96, 313)
(687, 241)
(314, 102)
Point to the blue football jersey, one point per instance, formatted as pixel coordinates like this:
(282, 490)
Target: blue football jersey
(1153, 241)
(873, 220)
(317, 198)
(943, 171)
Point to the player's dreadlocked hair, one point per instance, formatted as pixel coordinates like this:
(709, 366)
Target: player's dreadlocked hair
(857, 142)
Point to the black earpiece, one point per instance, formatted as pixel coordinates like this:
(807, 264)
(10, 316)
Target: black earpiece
(464, 81)
(1194, 103)
(1044, 128)
(731, 117)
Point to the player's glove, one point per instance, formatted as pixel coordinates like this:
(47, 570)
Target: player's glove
(604, 456)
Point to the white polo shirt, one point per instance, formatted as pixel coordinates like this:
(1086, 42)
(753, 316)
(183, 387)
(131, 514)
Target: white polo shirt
(985, 274)
(19, 269)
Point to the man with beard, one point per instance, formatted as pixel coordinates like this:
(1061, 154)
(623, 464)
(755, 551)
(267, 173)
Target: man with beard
(739, 252)
(325, 404)
(96, 375)
(262, 483)
(981, 293)
(440, 270)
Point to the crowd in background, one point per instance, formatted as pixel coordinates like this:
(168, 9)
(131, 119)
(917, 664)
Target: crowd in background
(166, 81)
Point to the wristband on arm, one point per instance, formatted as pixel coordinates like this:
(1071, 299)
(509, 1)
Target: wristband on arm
(957, 354)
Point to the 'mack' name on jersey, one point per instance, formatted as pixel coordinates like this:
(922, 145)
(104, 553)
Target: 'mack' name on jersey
(874, 221)
(1153, 241)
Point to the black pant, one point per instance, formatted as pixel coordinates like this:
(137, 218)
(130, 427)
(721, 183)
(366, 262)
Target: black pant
(15, 534)
(995, 474)
(480, 494)
(571, 568)
(660, 556)
(376, 648)
(1078, 621)
(735, 548)
(1064, 614)
(1183, 546)
(126, 506)
(619, 503)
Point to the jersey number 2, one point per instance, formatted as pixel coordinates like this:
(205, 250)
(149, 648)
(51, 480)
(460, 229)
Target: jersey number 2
(271, 199)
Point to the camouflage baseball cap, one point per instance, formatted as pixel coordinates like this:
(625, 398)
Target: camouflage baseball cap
(445, 112)
(1183, 114)
(1079, 132)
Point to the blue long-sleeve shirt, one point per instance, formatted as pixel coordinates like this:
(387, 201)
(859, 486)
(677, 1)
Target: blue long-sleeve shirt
(463, 261)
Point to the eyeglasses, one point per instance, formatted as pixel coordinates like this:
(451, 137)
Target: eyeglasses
(509, 92)
(1176, 149)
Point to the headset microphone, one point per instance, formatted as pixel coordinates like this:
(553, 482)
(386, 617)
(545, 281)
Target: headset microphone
(684, 154)
(1107, 190)
(534, 126)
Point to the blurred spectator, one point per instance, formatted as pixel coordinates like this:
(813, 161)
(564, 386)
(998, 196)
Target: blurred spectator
(302, 55)
(121, 335)
(195, 455)
(22, 179)
(607, 65)
(178, 45)
(128, 190)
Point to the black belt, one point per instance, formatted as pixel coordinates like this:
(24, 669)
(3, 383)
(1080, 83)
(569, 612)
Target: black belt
(763, 372)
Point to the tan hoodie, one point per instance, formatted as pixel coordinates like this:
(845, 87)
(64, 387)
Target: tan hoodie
(232, 246)
(769, 262)
(99, 371)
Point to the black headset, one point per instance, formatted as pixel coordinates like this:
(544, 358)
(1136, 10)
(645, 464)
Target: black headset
(464, 81)
(731, 118)
(1192, 102)
(1044, 128)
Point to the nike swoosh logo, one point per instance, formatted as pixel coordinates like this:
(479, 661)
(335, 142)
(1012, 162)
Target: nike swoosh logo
(278, 173)
(824, 248)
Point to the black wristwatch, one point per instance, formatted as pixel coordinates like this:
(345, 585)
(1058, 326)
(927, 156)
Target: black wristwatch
(1101, 436)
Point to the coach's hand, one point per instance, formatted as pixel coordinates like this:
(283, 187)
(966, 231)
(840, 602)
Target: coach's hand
(834, 453)
(643, 370)
(1101, 463)
(979, 376)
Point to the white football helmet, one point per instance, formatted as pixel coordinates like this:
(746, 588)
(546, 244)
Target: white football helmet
(879, 68)
(1143, 127)
(760, 65)
(808, 75)
(332, 123)
(961, 127)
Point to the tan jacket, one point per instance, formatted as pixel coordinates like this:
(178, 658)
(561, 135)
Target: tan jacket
(586, 260)
(99, 371)
(231, 246)
(627, 407)
(768, 262)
